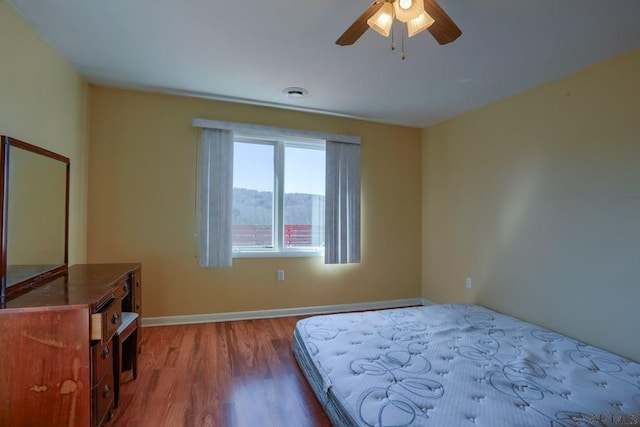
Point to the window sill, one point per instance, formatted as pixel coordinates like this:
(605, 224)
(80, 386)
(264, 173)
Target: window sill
(283, 254)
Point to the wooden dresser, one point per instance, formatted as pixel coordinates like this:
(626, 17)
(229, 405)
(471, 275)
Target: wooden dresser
(56, 364)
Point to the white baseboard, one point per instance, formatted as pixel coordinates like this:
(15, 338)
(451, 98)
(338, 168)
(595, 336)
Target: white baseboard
(285, 312)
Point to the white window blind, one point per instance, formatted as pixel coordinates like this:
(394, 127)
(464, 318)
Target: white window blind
(342, 217)
(215, 196)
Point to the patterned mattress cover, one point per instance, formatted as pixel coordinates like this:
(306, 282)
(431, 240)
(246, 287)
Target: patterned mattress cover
(460, 365)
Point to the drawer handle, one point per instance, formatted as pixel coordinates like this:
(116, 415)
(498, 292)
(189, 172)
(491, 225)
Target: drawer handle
(116, 317)
(105, 353)
(138, 306)
(107, 391)
(137, 282)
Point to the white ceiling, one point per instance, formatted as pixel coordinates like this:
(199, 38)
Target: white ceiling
(249, 51)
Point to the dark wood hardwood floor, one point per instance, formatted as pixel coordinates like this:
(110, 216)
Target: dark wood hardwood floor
(227, 374)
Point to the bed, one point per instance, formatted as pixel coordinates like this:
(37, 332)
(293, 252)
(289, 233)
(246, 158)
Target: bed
(460, 365)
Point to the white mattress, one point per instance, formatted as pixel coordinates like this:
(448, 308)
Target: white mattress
(460, 365)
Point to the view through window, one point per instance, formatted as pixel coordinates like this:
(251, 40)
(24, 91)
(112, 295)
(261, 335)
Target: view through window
(278, 196)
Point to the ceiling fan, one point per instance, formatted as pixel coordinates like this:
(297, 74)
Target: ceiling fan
(419, 15)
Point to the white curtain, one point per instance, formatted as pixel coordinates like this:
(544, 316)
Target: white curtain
(215, 197)
(342, 215)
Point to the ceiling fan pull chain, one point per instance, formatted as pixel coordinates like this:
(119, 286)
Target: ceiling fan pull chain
(402, 37)
(393, 43)
(393, 17)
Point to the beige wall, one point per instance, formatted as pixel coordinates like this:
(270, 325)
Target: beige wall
(537, 199)
(142, 208)
(43, 102)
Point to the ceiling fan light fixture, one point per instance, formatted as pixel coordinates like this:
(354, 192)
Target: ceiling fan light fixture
(414, 9)
(419, 24)
(381, 21)
(444, 31)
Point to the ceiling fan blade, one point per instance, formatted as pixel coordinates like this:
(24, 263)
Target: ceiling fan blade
(358, 28)
(444, 30)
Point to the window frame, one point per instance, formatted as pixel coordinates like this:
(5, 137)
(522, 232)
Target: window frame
(279, 250)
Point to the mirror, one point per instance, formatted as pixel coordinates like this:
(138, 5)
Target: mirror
(35, 189)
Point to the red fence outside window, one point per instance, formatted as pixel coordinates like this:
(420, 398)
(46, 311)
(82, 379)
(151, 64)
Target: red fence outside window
(295, 235)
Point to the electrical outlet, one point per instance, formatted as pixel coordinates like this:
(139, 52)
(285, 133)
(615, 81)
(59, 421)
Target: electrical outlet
(280, 274)
(469, 282)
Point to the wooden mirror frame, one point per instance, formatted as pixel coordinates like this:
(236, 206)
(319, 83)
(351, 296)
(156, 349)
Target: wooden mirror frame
(7, 292)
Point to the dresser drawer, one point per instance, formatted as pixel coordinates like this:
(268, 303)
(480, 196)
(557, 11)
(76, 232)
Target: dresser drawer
(101, 360)
(105, 324)
(137, 291)
(122, 289)
(103, 400)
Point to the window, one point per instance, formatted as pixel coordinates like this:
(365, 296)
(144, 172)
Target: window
(278, 196)
(279, 206)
